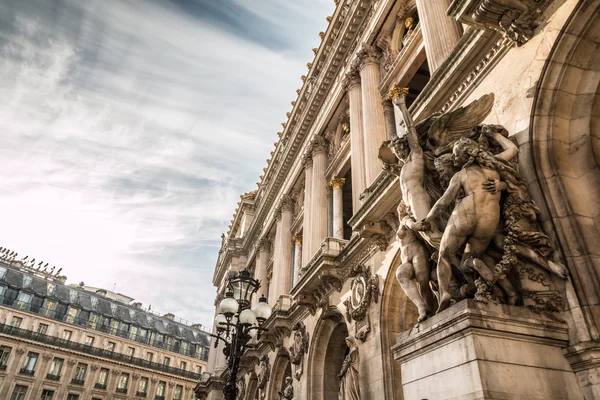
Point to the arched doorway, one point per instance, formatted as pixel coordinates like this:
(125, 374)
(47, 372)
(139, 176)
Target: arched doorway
(327, 352)
(565, 150)
(398, 314)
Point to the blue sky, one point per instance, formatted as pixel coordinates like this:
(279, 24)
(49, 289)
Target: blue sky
(131, 127)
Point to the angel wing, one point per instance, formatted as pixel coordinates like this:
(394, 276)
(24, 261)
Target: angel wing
(460, 122)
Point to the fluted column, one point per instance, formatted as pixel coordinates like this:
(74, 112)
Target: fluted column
(390, 119)
(318, 225)
(306, 228)
(338, 207)
(373, 120)
(282, 264)
(264, 250)
(297, 257)
(441, 32)
(357, 161)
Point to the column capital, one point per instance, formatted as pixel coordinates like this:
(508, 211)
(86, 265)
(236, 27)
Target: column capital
(368, 55)
(351, 79)
(319, 145)
(307, 158)
(337, 183)
(286, 203)
(396, 91)
(263, 244)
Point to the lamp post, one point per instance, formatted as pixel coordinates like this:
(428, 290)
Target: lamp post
(237, 324)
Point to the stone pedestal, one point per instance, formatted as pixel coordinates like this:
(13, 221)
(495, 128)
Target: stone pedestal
(485, 351)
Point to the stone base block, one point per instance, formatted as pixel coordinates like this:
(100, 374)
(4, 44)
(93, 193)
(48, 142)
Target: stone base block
(486, 351)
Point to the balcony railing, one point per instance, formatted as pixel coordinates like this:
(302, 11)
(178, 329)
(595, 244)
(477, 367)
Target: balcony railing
(140, 394)
(26, 371)
(67, 344)
(121, 390)
(96, 325)
(76, 381)
(53, 377)
(101, 386)
(157, 397)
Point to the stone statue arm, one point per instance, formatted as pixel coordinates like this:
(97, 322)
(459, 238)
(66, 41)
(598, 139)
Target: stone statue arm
(348, 361)
(411, 130)
(447, 198)
(510, 149)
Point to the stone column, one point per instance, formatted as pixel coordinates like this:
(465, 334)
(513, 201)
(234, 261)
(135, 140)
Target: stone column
(308, 168)
(318, 213)
(338, 207)
(373, 120)
(357, 161)
(441, 32)
(282, 264)
(329, 212)
(297, 257)
(264, 249)
(390, 119)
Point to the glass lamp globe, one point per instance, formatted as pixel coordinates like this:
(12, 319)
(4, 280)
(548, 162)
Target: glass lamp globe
(220, 321)
(262, 310)
(229, 306)
(247, 317)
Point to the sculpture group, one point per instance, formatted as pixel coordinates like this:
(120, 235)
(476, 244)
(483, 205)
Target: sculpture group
(468, 227)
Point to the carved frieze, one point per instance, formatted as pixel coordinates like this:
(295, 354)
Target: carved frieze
(263, 376)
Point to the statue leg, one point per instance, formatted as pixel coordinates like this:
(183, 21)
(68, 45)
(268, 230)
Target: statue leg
(420, 205)
(405, 275)
(454, 237)
(422, 272)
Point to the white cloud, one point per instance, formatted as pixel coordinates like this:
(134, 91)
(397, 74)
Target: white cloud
(129, 129)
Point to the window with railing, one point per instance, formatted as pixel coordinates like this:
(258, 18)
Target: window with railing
(123, 383)
(4, 355)
(55, 369)
(30, 362)
(42, 328)
(142, 387)
(79, 377)
(16, 322)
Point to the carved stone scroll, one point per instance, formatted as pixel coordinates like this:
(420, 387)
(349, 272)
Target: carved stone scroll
(299, 349)
(364, 290)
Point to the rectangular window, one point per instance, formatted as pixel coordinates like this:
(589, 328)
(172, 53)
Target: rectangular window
(47, 394)
(94, 319)
(198, 369)
(80, 372)
(67, 335)
(110, 346)
(48, 308)
(166, 361)
(4, 355)
(149, 356)
(30, 361)
(178, 392)
(56, 367)
(185, 346)
(183, 365)
(103, 376)
(89, 341)
(160, 390)
(73, 396)
(114, 327)
(142, 385)
(15, 322)
(130, 352)
(123, 381)
(23, 301)
(133, 332)
(71, 314)
(19, 392)
(42, 328)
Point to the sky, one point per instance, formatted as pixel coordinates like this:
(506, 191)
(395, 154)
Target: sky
(129, 129)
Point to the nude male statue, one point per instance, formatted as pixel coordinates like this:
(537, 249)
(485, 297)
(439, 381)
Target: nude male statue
(412, 175)
(475, 217)
(415, 266)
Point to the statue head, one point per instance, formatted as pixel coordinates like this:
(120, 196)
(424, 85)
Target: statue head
(288, 380)
(350, 342)
(464, 151)
(409, 23)
(444, 165)
(400, 148)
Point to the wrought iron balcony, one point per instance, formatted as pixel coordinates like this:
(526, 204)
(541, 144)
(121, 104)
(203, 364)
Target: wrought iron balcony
(101, 386)
(121, 390)
(95, 351)
(53, 377)
(140, 394)
(26, 371)
(76, 381)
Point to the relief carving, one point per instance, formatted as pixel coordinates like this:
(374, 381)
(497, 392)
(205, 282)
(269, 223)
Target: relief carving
(299, 349)
(263, 376)
(364, 290)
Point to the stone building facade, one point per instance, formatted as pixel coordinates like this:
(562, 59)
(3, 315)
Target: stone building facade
(511, 88)
(81, 343)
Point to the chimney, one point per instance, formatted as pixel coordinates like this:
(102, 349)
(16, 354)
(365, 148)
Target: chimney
(169, 316)
(101, 292)
(137, 304)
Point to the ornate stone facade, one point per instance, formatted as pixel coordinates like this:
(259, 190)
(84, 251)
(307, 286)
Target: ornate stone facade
(459, 140)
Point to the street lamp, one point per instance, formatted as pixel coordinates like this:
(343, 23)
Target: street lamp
(236, 323)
